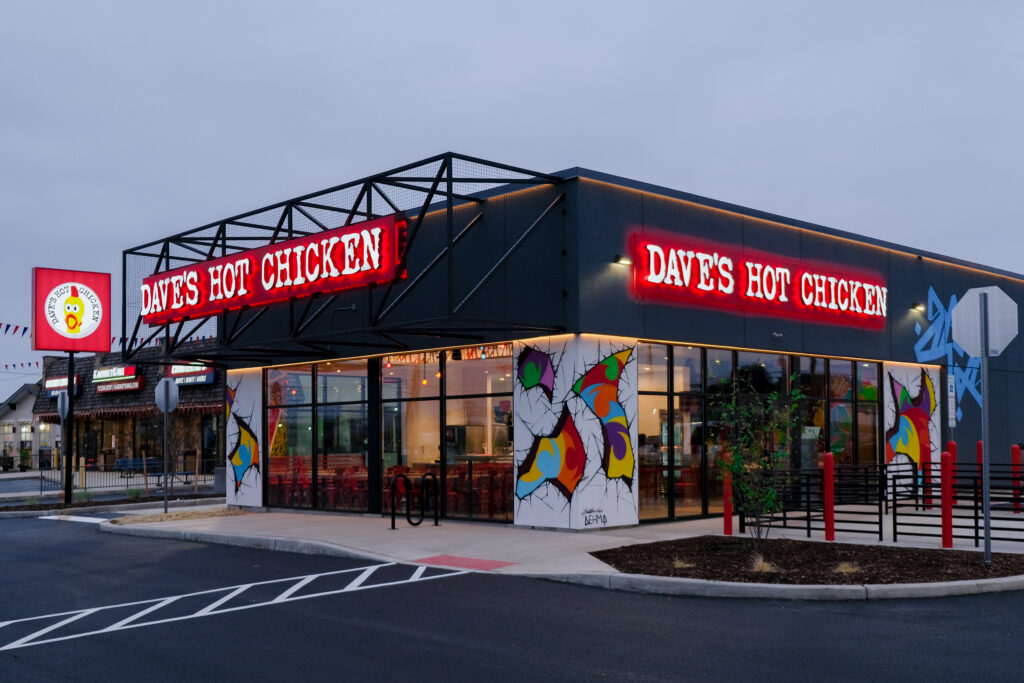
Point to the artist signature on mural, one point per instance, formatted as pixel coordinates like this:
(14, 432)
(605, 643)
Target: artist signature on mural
(592, 516)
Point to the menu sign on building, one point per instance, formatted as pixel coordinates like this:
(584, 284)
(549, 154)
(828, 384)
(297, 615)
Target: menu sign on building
(55, 385)
(189, 374)
(351, 256)
(117, 378)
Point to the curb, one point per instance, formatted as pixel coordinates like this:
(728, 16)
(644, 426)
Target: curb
(19, 514)
(632, 583)
(663, 585)
(273, 543)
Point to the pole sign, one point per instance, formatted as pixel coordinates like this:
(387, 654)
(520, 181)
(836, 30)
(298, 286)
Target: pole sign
(62, 405)
(951, 401)
(70, 310)
(350, 256)
(166, 395)
(1001, 320)
(678, 269)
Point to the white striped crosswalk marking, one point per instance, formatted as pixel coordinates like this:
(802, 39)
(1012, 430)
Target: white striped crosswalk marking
(220, 596)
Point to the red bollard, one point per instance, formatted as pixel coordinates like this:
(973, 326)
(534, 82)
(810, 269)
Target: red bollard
(951, 449)
(981, 456)
(947, 500)
(1015, 459)
(727, 504)
(830, 500)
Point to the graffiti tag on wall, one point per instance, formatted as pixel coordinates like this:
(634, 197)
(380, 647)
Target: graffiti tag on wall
(935, 343)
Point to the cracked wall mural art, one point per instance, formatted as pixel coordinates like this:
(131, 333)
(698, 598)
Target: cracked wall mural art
(599, 389)
(244, 403)
(575, 407)
(912, 430)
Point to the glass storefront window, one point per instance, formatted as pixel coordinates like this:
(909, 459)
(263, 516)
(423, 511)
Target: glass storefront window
(413, 375)
(841, 432)
(290, 385)
(480, 427)
(762, 373)
(652, 452)
(341, 381)
(478, 376)
(652, 367)
(478, 455)
(840, 379)
(689, 437)
(812, 376)
(410, 434)
(812, 434)
(291, 456)
(342, 464)
(867, 434)
(687, 372)
(719, 372)
(867, 381)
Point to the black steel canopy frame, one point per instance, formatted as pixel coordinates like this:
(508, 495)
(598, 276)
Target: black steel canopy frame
(439, 183)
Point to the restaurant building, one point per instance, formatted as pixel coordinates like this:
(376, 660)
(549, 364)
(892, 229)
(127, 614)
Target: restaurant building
(551, 346)
(116, 414)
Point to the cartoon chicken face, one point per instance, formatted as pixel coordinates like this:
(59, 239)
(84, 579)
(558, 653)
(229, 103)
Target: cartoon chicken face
(74, 307)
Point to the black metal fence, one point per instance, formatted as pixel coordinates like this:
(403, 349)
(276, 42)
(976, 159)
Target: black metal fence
(916, 504)
(135, 478)
(859, 492)
(865, 494)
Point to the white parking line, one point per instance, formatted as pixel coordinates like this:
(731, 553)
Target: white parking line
(220, 597)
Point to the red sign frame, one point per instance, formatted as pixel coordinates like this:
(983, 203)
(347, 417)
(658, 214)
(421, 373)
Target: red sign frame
(679, 269)
(70, 310)
(354, 255)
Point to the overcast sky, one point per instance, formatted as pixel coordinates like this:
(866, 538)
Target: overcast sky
(123, 122)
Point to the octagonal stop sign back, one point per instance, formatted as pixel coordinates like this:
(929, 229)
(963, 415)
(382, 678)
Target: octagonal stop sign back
(1002, 321)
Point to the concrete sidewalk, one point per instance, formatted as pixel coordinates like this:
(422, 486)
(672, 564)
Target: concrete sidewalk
(504, 549)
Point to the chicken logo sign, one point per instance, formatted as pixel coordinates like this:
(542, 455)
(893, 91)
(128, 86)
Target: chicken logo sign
(70, 310)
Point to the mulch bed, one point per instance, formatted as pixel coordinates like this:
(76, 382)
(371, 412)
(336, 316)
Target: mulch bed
(722, 558)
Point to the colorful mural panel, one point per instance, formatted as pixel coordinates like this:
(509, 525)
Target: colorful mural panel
(558, 458)
(599, 389)
(575, 414)
(912, 420)
(244, 406)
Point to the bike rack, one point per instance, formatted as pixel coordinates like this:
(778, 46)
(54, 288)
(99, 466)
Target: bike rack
(423, 498)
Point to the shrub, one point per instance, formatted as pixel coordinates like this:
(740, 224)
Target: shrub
(83, 496)
(134, 494)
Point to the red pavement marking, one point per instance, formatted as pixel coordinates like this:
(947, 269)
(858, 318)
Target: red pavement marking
(463, 562)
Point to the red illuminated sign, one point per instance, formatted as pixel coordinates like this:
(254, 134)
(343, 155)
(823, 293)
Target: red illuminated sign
(70, 310)
(682, 270)
(352, 256)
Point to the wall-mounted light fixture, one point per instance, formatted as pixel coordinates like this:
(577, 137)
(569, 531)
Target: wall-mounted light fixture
(917, 306)
(623, 260)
